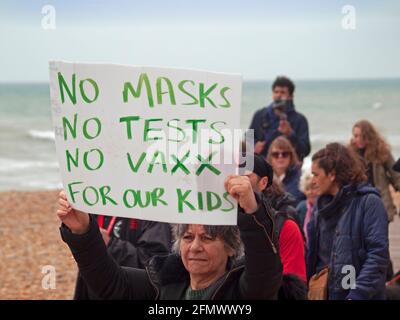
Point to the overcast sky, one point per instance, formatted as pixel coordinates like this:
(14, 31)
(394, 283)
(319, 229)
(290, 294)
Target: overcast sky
(259, 39)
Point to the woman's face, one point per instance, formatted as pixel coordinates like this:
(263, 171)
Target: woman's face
(280, 159)
(324, 183)
(203, 256)
(357, 139)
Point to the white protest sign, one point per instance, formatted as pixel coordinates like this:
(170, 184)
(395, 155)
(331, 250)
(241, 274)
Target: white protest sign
(145, 142)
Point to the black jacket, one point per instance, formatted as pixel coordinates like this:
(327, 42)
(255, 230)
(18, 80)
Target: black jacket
(284, 209)
(131, 246)
(258, 276)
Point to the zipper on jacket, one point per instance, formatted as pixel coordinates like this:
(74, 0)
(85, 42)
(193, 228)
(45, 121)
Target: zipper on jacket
(271, 216)
(316, 245)
(266, 233)
(223, 282)
(270, 239)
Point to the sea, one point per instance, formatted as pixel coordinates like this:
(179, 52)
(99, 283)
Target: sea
(27, 149)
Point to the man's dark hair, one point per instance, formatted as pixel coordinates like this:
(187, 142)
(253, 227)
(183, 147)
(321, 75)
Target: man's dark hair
(283, 81)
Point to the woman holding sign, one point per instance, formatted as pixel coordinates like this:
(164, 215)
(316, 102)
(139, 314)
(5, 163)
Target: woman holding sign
(207, 265)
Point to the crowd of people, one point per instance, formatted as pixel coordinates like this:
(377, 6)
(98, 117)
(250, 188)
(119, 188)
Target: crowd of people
(319, 235)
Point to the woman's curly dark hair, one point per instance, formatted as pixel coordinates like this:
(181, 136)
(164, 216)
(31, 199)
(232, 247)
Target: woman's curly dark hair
(344, 162)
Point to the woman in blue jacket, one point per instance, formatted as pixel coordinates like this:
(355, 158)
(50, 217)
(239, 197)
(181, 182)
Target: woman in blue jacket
(349, 235)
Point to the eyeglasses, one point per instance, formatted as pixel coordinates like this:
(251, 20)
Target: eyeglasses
(284, 154)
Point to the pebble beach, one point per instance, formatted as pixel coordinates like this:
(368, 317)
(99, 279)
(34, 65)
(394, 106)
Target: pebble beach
(29, 243)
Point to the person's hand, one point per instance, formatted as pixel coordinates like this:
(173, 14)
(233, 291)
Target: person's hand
(105, 236)
(259, 146)
(77, 221)
(285, 128)
(239, 187)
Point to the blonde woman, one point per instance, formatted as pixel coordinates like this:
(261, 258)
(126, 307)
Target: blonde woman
(368, 142)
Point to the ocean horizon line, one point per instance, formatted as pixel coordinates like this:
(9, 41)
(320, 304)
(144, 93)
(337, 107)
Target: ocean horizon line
(248, 80)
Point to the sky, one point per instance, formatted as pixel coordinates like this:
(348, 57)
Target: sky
(258, 39)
